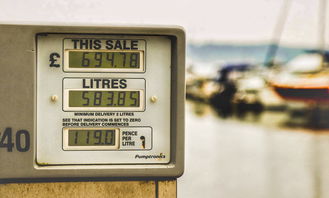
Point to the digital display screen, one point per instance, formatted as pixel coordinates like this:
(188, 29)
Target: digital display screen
(105, 59)
(78, 98)
(91, 137)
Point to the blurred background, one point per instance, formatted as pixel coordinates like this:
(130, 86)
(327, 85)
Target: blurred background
(257, 87)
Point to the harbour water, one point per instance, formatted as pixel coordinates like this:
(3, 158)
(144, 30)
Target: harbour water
(267, 156)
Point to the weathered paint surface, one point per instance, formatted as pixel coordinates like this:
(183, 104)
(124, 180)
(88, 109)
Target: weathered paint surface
(133, 189)
(167, 189)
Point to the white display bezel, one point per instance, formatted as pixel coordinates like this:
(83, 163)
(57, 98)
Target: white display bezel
(66, 106)
(101, 70)
(66, 146)
(152, 119)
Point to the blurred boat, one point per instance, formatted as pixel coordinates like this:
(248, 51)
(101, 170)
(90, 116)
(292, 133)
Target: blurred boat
(305, 79)
(223, 83)
(199, 87)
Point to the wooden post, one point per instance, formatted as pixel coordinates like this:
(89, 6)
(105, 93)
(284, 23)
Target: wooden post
(116, 189)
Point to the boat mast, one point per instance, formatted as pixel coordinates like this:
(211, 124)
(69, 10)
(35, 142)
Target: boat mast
(322, 30)
(274, 44)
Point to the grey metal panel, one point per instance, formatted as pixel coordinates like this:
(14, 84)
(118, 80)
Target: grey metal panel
(17, 102)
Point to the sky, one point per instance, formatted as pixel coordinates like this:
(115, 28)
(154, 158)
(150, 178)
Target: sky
(223, 21)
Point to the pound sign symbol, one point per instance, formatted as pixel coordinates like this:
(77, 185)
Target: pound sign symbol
(53, 58)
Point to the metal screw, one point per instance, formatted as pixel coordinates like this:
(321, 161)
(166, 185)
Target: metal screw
(154, 99)
(54, 98)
